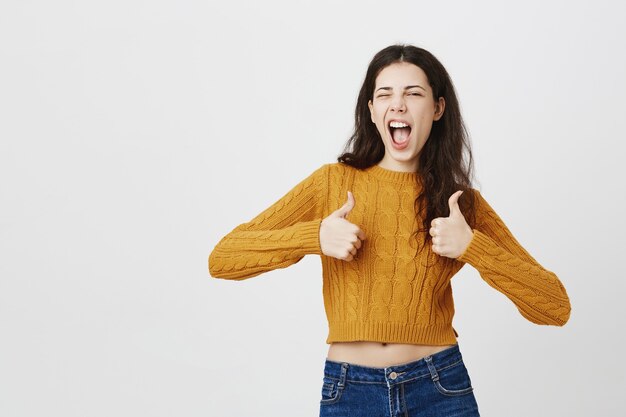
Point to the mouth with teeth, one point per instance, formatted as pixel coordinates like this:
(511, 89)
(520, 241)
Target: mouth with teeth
(399, 132)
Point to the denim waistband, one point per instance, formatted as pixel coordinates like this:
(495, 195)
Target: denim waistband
(424, 367)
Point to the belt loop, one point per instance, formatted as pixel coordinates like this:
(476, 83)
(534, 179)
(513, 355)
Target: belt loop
(433, 372)
(342, 377)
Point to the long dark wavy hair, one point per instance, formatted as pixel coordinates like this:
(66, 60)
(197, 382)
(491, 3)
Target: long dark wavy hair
(442, 167)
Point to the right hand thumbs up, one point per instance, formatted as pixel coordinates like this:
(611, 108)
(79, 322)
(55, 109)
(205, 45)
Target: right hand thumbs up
(344, 210)
(338, 237)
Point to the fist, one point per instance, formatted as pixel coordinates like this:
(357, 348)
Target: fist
(338, 237)
(451, 235)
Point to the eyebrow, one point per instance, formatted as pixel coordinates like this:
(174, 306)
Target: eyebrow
(406, 88)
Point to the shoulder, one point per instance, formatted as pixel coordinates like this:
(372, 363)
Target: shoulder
(339, 168)
(325, 172)
(321, 171)
(475, 192)
(485, 210)
(479, 200)
(483, 204)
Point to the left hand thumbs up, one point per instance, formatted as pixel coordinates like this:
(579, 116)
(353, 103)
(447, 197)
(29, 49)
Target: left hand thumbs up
(451, 235)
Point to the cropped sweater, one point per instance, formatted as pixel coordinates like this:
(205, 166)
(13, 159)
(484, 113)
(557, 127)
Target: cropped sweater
(393, 290)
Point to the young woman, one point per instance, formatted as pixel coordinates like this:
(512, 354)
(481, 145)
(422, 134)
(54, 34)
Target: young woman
(393, 220)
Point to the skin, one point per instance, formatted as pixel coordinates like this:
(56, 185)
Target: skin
(416, 105)
(451, 235)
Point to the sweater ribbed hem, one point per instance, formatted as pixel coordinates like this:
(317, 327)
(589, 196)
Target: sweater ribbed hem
(399, 177)
(476, 249)
(309, 237)
(389, 332)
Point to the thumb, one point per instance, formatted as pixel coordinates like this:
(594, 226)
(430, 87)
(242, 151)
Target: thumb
(453, 203)
(344, 210)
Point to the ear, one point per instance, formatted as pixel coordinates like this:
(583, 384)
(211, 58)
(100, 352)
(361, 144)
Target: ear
(439, 108)
(371, 106)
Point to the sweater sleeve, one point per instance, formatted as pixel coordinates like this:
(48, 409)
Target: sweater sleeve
(505, 265)
(279, 236)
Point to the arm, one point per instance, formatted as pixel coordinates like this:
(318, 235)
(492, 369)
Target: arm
(505, 265)
(278, 237)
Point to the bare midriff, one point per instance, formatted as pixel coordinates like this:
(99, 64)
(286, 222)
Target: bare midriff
(380, 355)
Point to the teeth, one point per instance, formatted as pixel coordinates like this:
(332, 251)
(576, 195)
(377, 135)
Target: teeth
(398, 124)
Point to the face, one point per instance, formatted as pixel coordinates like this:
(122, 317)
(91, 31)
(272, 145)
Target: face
(403, 109)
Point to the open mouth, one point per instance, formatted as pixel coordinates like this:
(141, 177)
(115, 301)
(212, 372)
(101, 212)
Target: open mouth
(399, 131)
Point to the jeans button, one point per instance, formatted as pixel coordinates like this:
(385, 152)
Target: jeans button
(393, 375)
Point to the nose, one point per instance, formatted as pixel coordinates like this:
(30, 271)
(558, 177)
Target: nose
(398, 104)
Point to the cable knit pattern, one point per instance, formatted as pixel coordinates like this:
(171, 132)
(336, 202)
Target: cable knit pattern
(392, 291)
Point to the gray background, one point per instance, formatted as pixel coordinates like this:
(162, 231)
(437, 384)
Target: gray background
(135, 134)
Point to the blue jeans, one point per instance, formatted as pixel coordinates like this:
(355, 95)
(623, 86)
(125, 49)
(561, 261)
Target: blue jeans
(436, 385)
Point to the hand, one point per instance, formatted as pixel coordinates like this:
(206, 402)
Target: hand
(338, 237)
(451, 235)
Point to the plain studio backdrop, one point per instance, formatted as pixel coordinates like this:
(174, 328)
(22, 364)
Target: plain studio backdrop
(135, 134)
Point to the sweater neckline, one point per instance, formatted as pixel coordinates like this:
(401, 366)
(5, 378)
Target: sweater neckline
(400, 177)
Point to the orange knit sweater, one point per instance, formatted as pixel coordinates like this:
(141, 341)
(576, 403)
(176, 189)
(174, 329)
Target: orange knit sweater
(390, 292)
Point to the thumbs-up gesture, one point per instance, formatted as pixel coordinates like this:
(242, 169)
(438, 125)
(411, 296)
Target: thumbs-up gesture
(338, 237)
(451, 235)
